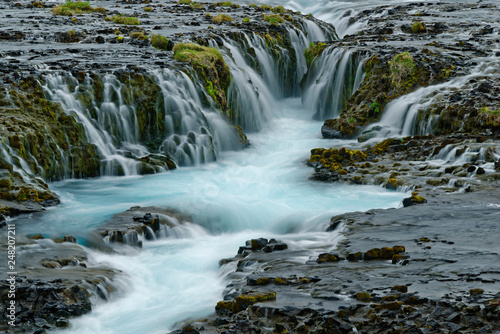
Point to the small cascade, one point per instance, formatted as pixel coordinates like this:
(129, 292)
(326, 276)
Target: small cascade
(193, 134)
(331, 80)
(101, 123)
(249, 96)
(128, 125)
(408, 115)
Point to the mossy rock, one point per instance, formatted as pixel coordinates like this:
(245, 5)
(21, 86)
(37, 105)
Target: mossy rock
(211, 68)
(363, 296)
(327, 257)
(400, 288)
(243, 301)
(280, 281)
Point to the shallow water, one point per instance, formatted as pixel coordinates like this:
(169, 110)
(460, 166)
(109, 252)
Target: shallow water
(262, 191)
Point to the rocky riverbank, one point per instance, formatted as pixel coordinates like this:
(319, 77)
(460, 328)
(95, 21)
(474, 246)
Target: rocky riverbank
(419, 269)
(429, 267)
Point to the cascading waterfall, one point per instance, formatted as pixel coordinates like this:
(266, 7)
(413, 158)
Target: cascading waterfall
(401, 116)
(192, 133)
(100, 130)
(331, 80)
(263, 71)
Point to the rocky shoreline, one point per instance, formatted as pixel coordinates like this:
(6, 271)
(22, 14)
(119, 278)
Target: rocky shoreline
(386, 271)
(437, 284)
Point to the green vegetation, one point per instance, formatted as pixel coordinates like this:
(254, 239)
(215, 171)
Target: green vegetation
(273, 19)
(351, 121)
(101, 10)
(71, 34)
(195, 5)
(252, 5)
(402, 67)
(266, 7)
(185, 2)
(159, 42)
(72, 8)
(375, 107)
(279, 10)
(221, 18)
(196, 54)
(224, 4)
(313, 51)
(138, 35)
(487, 110)
(246, 20)
(37, 4)
(119, 39)
(418, 27)
(125, 20)
(210, 66)
(148, 9)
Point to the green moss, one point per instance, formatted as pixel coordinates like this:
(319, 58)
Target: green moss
(100, 10)
(363, 296)
(185, 2)
(224, 305)
(246, 19)
(243, 301)
(159, 42)
(402, 67)
(418, 27)
(372, 254)
(210, 65)
(327, 257)
(138, 35)
(263, 281)
(488, 111)
(72, 8)
(195, 5)
(280, 281)
(148, 9)
(400, 288)
(313, 52)
(265, 7)
(125, 20)
(224, 4)
(221, 18)
(273, 19)
(279, 10)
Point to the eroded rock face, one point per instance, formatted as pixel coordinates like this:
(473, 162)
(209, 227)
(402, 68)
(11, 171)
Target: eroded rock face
(406, 52)
(86, 47)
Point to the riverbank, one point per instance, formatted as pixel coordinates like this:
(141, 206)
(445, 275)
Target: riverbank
(430, 266)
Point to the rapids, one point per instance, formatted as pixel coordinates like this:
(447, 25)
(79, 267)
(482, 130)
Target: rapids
(262, 191)
(231, 195)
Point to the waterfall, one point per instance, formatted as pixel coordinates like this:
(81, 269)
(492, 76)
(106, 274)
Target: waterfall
(126, 125)
(408, 115)
(263, 71)
(331, 80)
(101, 123)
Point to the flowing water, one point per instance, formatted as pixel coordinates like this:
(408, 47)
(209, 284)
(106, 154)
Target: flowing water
(262, 191)
(231, 195)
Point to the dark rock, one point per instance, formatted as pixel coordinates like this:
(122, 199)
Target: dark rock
(329, 133)
(480, 170)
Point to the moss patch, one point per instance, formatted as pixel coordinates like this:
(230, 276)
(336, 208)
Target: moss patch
(210, 66)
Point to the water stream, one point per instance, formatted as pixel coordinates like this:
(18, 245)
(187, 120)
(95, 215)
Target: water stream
(262, 191)
(230, 195)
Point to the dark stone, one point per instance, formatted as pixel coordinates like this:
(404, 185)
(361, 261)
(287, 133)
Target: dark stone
(480, 171)
(329, 133)
(471, 169)
(62, 322)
